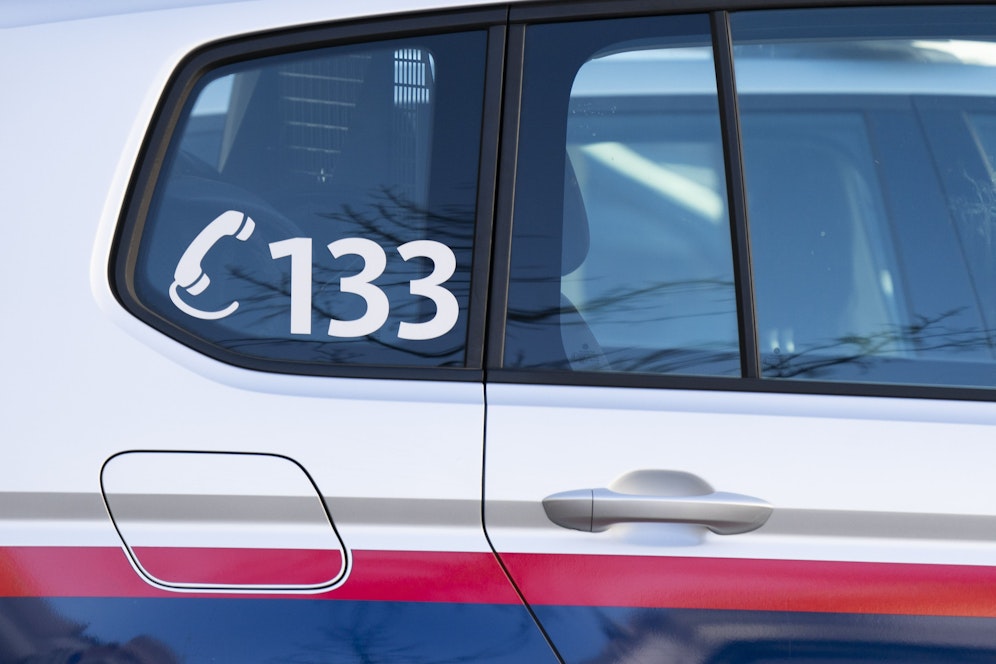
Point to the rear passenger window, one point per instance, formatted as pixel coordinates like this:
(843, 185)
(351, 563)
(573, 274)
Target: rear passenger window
(868, 149)
(317, 209)
(621, 256)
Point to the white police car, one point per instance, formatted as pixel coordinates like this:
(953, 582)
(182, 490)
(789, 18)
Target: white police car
(405, 331)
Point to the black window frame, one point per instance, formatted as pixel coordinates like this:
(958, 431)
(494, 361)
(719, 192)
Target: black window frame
(506, 26)
(521, 17)
(169, 114)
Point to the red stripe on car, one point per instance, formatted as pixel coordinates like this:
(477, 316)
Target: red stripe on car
(755, 585)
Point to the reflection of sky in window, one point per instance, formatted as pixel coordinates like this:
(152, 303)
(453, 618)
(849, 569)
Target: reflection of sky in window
(686, 70)
(664, 179)
(655, 71)
(867, 66)
(214, 98)
(888, 66)
(964, 52)
(670, 54)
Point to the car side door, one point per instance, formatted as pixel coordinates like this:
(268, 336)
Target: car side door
(740, 397)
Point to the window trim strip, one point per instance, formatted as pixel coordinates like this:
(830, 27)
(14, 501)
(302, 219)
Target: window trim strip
(164, 122)
(729, 120)
(505, 196)
(487, 194)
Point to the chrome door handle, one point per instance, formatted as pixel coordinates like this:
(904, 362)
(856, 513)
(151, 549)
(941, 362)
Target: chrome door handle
(594, 510)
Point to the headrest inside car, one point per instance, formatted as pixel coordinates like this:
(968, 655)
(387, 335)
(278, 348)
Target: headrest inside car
(576, 237)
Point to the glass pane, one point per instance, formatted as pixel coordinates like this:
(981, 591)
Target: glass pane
(621, 247)
(867, 177)
(319, 207)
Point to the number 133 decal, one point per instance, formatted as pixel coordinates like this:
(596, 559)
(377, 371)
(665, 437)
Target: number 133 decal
(299, 250)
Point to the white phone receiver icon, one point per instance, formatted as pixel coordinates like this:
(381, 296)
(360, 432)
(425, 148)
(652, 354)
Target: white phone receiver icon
(191, 277)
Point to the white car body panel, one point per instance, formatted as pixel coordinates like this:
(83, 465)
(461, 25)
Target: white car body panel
(114, 375)
(405, 467)
(850, 478)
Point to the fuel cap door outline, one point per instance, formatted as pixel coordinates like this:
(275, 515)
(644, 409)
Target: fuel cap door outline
(193, 521)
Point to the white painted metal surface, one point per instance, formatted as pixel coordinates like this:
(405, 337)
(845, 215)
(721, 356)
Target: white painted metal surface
(84, 380)
(850, 478)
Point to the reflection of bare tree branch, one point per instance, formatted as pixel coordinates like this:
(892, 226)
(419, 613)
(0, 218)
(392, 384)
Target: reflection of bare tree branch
(671, 361)
(651, 636)
(621, 299)
(266, 300)
(976, 231)
(729, 637)
(639, 309)
(978, 216)
(393, 209)
(331, 352)
(34, 632)
(925, 335)
(377, 634)
(643, 306)
(390, 220)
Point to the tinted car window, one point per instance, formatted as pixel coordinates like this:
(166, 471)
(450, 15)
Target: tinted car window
(869, 183)
(621, 254)
(318, 208)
